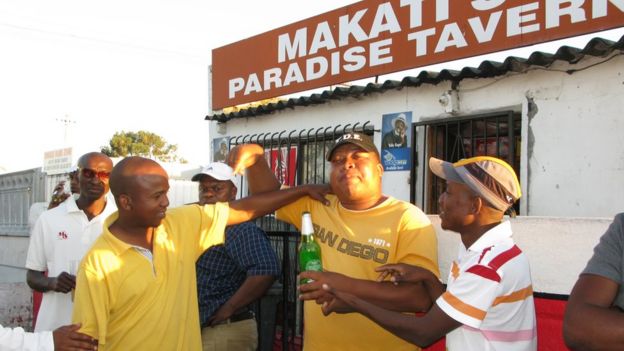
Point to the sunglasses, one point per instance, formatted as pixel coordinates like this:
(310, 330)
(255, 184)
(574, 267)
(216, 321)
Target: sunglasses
(90, 174)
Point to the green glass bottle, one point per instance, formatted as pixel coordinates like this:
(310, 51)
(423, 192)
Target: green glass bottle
(309, 249)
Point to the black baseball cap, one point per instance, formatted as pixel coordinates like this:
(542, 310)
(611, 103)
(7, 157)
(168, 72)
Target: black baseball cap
(362, 140)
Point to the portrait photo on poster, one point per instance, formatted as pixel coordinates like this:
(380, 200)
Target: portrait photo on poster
(219, 149)
(395, 141)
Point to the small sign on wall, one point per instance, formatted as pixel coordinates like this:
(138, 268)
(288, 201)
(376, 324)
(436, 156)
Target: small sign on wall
(57, 161)
(395, 141)
(219, 149)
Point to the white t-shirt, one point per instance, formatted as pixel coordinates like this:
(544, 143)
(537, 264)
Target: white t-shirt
(58, 241)
(490, 292)
(19, 340)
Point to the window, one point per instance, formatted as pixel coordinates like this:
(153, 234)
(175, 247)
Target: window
(497, 134)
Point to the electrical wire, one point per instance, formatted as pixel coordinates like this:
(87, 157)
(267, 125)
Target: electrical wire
(102, 41)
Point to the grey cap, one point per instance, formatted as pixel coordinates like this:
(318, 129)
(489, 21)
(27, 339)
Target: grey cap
(489, 177)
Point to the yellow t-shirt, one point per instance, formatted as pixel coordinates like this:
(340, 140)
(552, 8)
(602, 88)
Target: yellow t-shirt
(354, 243)
(130, 303)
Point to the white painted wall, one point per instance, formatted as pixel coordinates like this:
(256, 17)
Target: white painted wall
(573, 153)
(558, 248)
(13, 250)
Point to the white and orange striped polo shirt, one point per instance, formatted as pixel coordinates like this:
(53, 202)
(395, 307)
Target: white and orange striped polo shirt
(490, 292)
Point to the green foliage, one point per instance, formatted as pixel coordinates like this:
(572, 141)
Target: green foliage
(141, 143)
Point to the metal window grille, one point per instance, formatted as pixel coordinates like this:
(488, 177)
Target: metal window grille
(494, 134)
(296, 157)
(18, 191)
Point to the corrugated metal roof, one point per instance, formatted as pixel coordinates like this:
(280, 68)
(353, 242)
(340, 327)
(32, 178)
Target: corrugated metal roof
(598, 47)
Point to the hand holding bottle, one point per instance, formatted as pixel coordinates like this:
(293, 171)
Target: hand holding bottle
(58, 195)
(309, 249)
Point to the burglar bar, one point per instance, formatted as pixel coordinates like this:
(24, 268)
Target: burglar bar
(451, 139)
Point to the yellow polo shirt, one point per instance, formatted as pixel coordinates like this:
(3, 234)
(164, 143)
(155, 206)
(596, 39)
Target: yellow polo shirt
(129, 303)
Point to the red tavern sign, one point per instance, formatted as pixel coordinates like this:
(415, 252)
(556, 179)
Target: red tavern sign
(372, 38)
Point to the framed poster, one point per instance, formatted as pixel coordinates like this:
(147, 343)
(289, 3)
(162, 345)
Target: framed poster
(395, 142)
(219, 149)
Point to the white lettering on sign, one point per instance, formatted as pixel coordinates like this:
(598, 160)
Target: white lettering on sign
(363, 38)
(486, 34)
(316, 67)
(385, 21)
(379, 49)
(292, 48)
(516, 16)
(415, 14)
(272, 76)
(353, 59)
(599, 7)
(555, 10)
(451, 36)
(486, 5)
(351, 27)
(420, 38)
(323, 39)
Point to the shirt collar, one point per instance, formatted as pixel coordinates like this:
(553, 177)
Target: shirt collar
(119, 246)
(500, 233)
(71, 205)
(116, 245)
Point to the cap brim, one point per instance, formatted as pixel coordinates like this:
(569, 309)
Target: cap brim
(332, 149)
(198, 177)
(444, 170)
(364, 146)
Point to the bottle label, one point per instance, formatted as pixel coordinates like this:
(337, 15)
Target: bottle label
(313, 265)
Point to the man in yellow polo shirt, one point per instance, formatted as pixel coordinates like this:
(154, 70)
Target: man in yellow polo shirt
(136, 286)
(360, 230)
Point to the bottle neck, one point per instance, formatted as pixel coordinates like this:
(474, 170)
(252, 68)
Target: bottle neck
(307, 237)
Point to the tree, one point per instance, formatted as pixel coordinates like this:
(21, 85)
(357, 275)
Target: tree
(141, 143)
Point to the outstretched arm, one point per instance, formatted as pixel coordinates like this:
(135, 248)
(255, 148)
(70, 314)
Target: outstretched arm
(591, 322)
(404, 297)
(421, 331)
(250, 158)
(405, 273)
(254, 206)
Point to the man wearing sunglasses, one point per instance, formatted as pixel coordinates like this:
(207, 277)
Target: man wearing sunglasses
(61, 237)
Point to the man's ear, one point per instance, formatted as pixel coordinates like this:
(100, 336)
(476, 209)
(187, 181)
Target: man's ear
(477, 205)
(380, 169)
(125, 202)
(233, 193)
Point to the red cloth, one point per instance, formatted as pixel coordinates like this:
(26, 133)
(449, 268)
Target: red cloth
(550, 324)
(37, 296)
